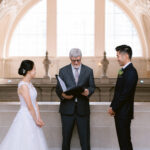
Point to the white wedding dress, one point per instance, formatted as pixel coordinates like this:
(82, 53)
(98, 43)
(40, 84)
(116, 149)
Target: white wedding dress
(24, 134)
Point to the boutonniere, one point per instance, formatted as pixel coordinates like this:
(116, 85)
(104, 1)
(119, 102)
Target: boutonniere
(120, 73)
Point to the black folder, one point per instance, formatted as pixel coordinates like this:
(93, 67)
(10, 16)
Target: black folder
(71, 91)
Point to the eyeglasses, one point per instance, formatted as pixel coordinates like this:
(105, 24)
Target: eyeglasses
(75, 60)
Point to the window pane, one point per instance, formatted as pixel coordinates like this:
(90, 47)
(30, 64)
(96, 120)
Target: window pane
(75, 26)
(120, 30)
(29, 37)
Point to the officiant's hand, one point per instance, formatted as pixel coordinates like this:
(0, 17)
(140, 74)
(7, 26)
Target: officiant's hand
(67, 96)
(85, 93)
(111, 112)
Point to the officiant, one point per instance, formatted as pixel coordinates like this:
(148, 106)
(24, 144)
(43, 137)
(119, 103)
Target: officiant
(75, 109)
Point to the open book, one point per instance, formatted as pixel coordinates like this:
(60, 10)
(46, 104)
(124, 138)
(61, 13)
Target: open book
(71, 91)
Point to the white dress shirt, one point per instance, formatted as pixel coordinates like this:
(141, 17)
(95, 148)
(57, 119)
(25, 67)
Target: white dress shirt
(73, 70)
(126, 65)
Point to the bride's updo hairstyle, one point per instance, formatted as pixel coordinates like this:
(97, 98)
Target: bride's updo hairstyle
(26, 65)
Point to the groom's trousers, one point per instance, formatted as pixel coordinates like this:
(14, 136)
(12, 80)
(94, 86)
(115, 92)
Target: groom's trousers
(83, 127)
(123, 133)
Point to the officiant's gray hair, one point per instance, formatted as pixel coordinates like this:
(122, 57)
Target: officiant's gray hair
(75, 52)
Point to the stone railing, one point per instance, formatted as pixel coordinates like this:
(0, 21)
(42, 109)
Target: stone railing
(46, 90)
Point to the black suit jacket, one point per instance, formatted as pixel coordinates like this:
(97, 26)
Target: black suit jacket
(123, 100)
(86, 80)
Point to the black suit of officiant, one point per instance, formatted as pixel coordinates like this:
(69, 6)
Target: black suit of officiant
(123, 105)
(76, 112)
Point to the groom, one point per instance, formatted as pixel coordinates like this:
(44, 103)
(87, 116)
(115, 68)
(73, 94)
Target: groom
(76, 109)
(122, 105)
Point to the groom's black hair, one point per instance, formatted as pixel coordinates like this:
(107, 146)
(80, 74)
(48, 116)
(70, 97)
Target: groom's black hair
(125, 49)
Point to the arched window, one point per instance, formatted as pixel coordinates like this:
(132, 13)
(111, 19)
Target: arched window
(29, 37)
(75, 26)
(120, 30)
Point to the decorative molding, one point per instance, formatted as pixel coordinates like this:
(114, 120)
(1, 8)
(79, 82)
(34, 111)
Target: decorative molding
(141, 6)
(11, 6)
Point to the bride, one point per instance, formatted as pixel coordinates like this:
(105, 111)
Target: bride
(25, 132)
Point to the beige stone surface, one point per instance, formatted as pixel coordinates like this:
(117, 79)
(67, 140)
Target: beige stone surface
(103, 135)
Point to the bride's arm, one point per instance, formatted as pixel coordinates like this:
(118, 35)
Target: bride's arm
(38, 110)
(39, 115)
(24, 91)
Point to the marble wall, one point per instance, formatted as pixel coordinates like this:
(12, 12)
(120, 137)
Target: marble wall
(103, 134)
(9, 66)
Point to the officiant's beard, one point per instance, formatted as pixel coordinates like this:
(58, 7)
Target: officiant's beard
(76, 65)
